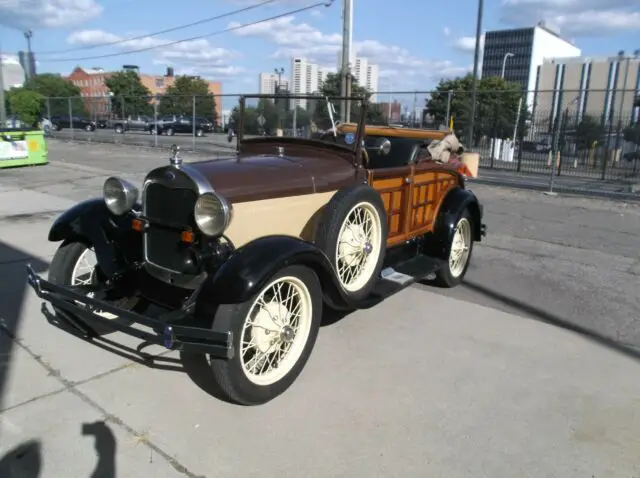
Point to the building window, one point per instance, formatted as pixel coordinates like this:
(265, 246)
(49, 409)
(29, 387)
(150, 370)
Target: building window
(159, 82)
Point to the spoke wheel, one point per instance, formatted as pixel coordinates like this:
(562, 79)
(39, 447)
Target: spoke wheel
(457, 254)
(274, 333)
(75, 264)
(352, 232)
(358, 246)
(84, 273)
(276, 330)
(460, 247)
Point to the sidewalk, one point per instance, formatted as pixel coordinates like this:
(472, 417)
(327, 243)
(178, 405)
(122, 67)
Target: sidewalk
(421, 385)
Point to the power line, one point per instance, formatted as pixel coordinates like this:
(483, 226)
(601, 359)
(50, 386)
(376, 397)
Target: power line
(168, 30)
(326, 3)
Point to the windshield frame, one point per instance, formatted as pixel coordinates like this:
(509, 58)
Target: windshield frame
(360, 127)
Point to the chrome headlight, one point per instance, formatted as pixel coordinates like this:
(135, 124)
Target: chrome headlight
(212, 214)
(119, 195)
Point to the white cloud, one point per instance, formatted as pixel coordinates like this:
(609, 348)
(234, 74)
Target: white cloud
(468, 44)
(576, 17)
(193, 56)
(24, 14)
(303, 40)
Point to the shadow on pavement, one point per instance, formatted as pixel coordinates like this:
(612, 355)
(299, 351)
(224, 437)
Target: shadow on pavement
(13, 290)
(554, 320)
(25, 460)
(105, 445)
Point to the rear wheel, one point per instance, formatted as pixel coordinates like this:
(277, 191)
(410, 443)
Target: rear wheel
(457, 253)
(75, 264)
(274, 333)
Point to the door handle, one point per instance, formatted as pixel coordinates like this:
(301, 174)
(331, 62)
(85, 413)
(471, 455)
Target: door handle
(408, 180)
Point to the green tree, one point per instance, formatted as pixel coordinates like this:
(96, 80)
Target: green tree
(632, 134)
(130, 96)
(26, 104)
(588, 131)
(179, 98)
(56, 91)
(331, 89)
(496, 106)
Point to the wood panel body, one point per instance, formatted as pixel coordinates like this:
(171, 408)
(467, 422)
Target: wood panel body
(412, 196)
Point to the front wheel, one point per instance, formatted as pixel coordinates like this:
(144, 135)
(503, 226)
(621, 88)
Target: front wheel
(457, 253)
(75, 264)
(274, 333)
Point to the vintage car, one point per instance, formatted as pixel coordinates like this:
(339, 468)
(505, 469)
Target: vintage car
(242, 255)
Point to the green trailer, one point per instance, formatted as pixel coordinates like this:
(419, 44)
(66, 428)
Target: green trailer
(22, 147)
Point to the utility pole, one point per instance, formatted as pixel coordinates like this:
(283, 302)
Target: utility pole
(474, 81)
(347, 27)
(30, 61)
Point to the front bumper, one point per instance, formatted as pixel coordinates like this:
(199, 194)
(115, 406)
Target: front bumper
(76, 319)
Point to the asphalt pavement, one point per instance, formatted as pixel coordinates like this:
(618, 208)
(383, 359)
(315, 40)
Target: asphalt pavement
(527, 369)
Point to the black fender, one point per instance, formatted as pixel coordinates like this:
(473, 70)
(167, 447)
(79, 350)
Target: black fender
(250, 267)
(454, 203)
(92, 221)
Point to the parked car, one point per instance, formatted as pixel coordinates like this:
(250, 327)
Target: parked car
(64, 121)
(131, 123)
(244, 253)
(173, 124)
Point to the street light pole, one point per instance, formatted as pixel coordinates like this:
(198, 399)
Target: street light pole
(504, 63)
(474, 81)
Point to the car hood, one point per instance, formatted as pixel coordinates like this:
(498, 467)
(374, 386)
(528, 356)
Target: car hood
(256, 177)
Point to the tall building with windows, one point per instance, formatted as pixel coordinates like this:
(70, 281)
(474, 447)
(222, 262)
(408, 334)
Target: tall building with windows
(520, 51)
(604, 88)
(367, 74)
(306, 78)
(268, 81)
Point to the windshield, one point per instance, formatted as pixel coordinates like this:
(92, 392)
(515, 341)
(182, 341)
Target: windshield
(300, 116)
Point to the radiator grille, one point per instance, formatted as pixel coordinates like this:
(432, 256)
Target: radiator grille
(169, 212)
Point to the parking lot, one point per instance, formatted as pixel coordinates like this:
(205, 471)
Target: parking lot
(527, 369)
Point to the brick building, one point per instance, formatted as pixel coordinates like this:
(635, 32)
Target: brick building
(93, 89)
(95, 93)
(158, 84)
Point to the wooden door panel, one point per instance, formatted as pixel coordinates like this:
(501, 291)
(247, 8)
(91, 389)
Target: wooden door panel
(394, 190)
(427, 191)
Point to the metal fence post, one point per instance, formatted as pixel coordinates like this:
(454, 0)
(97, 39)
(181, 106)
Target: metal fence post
(449, 98)
(71, 117)
(155, 122)
(193, 122)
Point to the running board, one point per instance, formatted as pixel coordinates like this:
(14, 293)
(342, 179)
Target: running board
(393, 280)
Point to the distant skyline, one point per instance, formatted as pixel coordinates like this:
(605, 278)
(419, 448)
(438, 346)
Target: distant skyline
(413, 51)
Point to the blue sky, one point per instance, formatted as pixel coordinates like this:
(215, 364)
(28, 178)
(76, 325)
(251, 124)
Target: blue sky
(414, 42)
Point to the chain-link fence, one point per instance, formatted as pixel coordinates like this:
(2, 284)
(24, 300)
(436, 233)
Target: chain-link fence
(195, 123)
(589, 135)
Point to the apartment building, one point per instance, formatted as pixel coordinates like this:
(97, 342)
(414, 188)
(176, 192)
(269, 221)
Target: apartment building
(306, 78)
(367, 74)
(267, 83)
(517, 53)
(603, 87)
